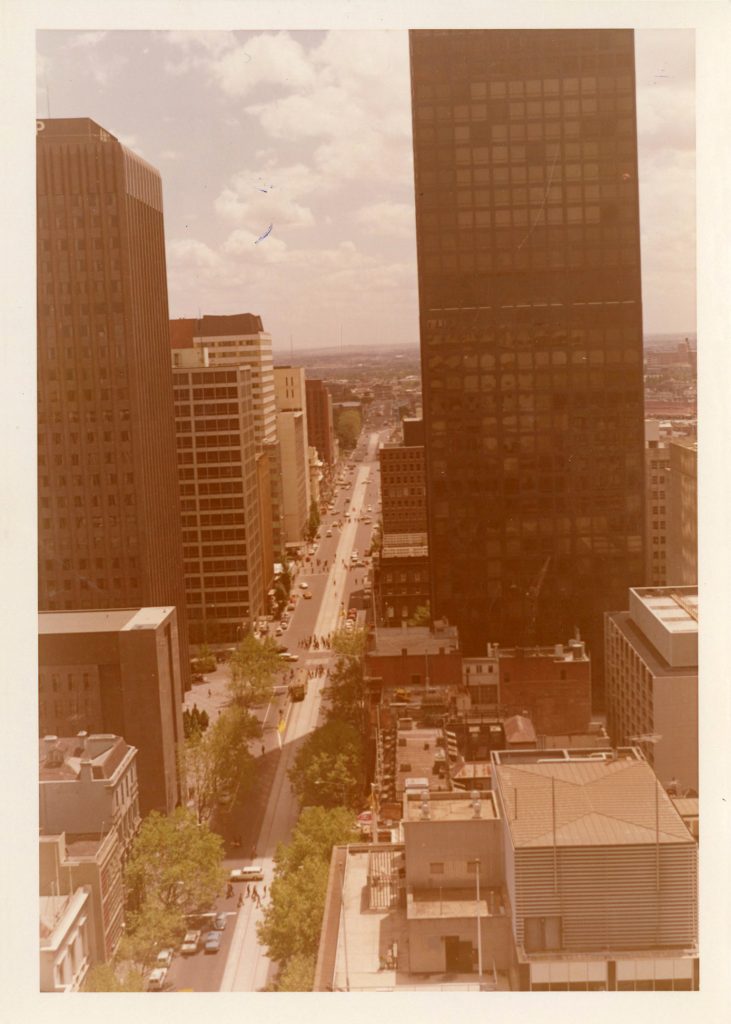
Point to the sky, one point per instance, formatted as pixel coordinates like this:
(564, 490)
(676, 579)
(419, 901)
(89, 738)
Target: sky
(310, 132)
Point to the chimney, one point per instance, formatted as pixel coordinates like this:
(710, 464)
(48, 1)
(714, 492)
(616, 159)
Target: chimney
(82, 737)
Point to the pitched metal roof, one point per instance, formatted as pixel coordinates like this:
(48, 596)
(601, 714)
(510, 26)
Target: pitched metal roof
(587, 804)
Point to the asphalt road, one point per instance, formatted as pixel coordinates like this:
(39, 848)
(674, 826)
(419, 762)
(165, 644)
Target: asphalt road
(241, 965)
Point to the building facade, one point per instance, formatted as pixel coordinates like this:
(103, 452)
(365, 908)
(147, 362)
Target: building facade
(400, 577)
(65, 941)
(109, 513)
(93, 859)
(652, 680)
(682, 558)
(117, 672)
(600, 871)
(320, 420)
(240, 340)
(89, 784)
(291, 401)
(657, 484)
(525, 160)
(219, 496)
(549, 685)
(403, 488)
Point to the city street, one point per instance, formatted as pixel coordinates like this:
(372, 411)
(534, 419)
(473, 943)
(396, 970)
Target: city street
(241, 965)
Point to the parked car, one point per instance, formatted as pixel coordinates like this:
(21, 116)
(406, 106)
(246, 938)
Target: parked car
(164, 958)
(212, 942)
(191, 943)
(252, 873)
(219, 922)
(156, 979)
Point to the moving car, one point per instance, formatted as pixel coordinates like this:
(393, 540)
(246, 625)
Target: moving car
(304, 586)
(253, 873)
(191, 943)
(156, 979)
(328, 532)
(212, 942)
(307, 595)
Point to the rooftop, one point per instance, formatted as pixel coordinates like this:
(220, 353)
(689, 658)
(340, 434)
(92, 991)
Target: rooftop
(184, 330)
(676, 608)
(567, 798)
(417, 754)
(108, 620)
(451, 807)
(414, 639)
(60, 757)
(360, 939)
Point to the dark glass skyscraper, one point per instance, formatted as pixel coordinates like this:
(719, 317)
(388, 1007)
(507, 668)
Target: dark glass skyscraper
(525, 154)
(109, 508)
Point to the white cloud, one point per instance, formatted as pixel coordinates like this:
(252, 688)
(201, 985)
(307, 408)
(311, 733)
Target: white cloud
(273, 59)
(190, 252)
(387, 218)
(85, 39)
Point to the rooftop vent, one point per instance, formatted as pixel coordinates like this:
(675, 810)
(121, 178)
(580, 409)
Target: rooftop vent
(476, 803)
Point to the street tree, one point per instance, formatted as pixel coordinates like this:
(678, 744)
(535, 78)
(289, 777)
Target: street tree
(298, 975)
(147, 931)
(313, 521)
(105, 978)
(345, 689)
(252, 667)
(318, 829)
(348, 428)
(328, 769)
(217, 764)
(174, 864)
(293, 919)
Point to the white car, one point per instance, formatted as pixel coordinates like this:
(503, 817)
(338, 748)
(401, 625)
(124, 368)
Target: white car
(304, 586)
(164, 958)
(156, 980)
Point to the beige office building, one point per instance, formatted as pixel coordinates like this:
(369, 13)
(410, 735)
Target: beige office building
(219, 494)
(682, 563)
(291, 402)
(657, 483)
(652, 680)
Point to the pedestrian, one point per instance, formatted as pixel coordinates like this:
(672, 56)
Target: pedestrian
(229, 891)
(209, 693)
(248, 891)
(265, 891)
(240, 901)
(263, 749)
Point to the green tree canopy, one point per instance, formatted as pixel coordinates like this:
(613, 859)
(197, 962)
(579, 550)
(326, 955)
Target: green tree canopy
(292, 921)
(175, 864)
(328, 769)
(347, 428)
(218, 764)
(148, 930)
(252, 666)
(345, 689)
(313, 521)
(298, 975)
(421, 616)
(104, 978)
